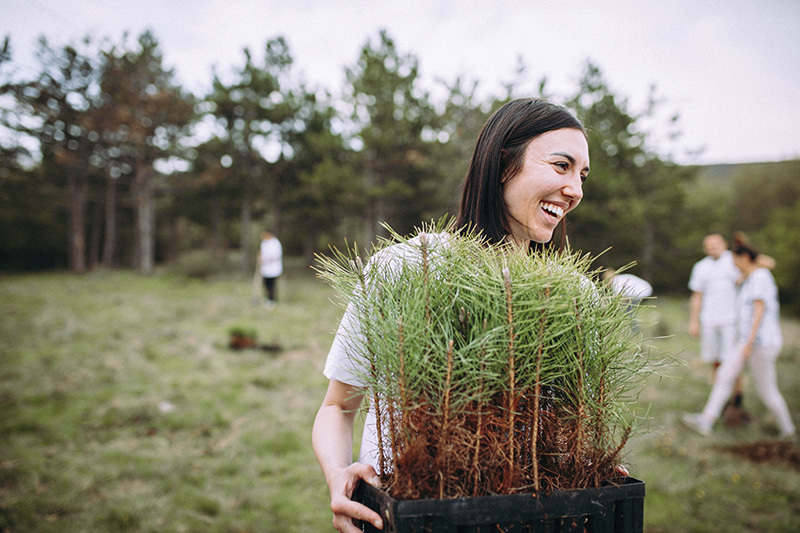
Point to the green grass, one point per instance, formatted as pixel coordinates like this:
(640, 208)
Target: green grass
(122, 409)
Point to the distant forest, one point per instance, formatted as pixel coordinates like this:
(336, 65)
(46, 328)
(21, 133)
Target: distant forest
(107, 163)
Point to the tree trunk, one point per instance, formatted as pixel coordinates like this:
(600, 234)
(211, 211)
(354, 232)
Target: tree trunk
(95, 233)
(310, 240)
(246, 220)
(648, 248)
(145, 219)
(173, 248)
(371, 206)
(77, 189)
(110, 239)
(216, 223)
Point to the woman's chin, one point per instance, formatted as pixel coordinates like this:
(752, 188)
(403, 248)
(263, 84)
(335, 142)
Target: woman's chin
(542, 236)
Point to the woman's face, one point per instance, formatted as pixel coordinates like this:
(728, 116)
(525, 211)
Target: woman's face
(549, 185)
(742, 262)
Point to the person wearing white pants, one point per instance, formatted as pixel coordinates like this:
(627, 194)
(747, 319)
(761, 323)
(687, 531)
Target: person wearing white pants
(760, 343)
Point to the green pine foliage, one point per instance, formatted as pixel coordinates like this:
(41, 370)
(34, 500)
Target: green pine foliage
(493, 370)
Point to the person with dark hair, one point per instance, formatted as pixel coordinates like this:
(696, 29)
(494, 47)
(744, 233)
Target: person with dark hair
(527, 172)
(497, 206)
(759, 344)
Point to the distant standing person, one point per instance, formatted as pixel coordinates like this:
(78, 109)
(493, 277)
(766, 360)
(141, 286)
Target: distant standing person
(759, 343)
(712, 314)
(270, 257)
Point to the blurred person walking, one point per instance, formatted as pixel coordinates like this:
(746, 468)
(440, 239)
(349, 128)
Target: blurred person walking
(759, 344)
(712, 312)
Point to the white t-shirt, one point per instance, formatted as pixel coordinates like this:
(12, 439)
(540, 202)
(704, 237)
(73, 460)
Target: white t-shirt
(271, 258)
(716, 280)
(759, 285)
(345, 362)
(631, 286)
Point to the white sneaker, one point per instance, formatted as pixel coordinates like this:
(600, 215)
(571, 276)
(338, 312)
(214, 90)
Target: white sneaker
(697, 423)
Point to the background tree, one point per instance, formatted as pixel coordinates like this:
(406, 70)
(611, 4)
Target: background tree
(390, 111)
(50, 110)
(249, 112)
(632, 199)
(453, 132)
(153, 113)
(320, 190)
(207, 198)
(766, 205)
(31, 226)
(102, 139)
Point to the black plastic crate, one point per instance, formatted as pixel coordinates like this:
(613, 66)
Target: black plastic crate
(617, 508)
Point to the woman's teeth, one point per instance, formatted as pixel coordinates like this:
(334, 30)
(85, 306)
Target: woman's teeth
(552, 209)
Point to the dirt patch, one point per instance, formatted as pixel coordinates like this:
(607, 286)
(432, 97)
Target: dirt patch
(767, 451)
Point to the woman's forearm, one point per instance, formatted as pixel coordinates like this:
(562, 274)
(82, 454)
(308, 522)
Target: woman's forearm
(332, 434)
(332, 438)
(758, 315)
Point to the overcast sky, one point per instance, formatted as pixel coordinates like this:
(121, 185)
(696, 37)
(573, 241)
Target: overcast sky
(730, 68)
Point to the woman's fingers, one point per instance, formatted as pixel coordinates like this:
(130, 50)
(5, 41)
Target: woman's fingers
(344, 509)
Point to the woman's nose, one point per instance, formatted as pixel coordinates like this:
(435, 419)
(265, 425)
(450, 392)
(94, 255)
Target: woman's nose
(574, 187)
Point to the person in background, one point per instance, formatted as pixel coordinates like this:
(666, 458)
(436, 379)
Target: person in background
(270, 259)
(632, 287)
(712, 314)
(759, 343)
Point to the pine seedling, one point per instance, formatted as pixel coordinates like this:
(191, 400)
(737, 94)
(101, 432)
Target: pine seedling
(491, 370)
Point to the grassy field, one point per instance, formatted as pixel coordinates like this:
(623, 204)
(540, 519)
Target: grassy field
(123, 409)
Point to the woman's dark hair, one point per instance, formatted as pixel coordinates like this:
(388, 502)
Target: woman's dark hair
(499, 155)
(745, 249)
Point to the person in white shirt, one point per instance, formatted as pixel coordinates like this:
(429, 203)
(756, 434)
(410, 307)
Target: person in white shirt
(759, 344)
(526, 174)
(270, 259)
(712, 315)
(629, 286)
(633, 288)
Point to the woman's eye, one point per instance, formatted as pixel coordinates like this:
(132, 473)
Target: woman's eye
(562, 165)
(584, 177)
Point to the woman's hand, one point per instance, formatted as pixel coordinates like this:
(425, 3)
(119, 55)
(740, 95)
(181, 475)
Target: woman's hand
(332, 437)
(342, 485)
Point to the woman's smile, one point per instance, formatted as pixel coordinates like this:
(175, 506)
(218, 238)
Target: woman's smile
(549, 185)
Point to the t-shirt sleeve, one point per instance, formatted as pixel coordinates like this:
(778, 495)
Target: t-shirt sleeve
(760, 288)
(345, 360)
(696, 283)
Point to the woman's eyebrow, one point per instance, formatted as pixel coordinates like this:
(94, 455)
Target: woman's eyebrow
(569, 158)
(566, 155)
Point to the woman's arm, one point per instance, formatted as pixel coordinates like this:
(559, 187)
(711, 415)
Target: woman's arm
(765, 261)
(695, 304)
(758, 314)
(332, 438)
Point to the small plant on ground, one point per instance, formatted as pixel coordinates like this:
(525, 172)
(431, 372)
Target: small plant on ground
(242, 337)
(491, 370)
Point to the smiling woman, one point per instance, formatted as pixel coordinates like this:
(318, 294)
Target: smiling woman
(548, 186)
(526, 174)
